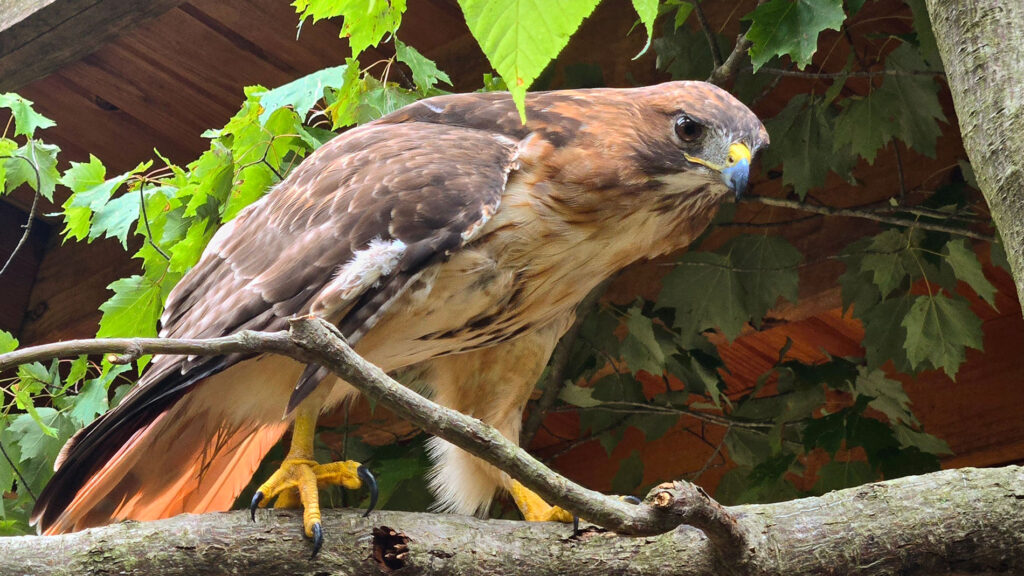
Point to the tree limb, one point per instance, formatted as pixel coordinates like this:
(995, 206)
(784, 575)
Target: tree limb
(951, 522)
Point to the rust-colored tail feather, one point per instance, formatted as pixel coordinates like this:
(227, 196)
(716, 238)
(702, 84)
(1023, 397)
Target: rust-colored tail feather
(186, 443)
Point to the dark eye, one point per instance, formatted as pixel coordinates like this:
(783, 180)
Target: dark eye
(688, 129)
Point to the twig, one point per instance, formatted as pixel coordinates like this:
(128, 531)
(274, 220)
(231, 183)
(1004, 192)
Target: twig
(869, 215)
(21, 479)
(145, 220)
(716, 54)
(731, 66)
(559, 364)
(31, 215)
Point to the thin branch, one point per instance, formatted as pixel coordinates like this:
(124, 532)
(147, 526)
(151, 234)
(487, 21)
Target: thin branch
(848, 74)
(132, 348)
(716, 54)
(559, 364)
(869, 215)
(31, 216)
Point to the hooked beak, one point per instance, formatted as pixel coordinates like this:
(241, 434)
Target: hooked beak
(736, 170)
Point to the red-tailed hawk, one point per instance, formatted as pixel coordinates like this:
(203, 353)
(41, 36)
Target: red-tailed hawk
(446, 236)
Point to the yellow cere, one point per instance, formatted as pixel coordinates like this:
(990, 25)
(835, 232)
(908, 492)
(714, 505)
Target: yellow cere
(738, 151)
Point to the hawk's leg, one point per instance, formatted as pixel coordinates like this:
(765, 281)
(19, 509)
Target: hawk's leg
(296, 482)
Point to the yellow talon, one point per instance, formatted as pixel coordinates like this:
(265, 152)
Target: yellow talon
(535, 509)
(296, 482)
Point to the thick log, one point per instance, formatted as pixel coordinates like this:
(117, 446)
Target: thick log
(964, 521)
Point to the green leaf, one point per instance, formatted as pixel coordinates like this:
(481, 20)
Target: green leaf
(630, 474)
(20, 171)
(26, 120)
(918, 98)
(249, 186)
(425, 73)
(640, 348)
(921, 440)
(705, 294)
(939, 328)
(578, 396)
(888, 395)
(647, 10)
(925, 35)
(133, 310)
(382, 100)
(747, 447)
(885, 260)
(802, 141)
(8, 343)
(868, 123)
(187, 252)
(303, 93)
(884, 333)
(781, 27)
(653, 426)
(36, 434)
(767, 271)
(964, 262)
(364, 23)
(90, 401)
(115, 219)
(520, 37)
(7, 148)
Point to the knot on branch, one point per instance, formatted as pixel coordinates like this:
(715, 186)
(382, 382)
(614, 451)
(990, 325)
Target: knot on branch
(131, 354)
(687, 503)
(390, 549)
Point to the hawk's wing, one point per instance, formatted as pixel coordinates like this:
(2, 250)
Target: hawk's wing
(341, 236)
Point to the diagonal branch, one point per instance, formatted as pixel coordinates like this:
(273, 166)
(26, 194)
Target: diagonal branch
(312, 340)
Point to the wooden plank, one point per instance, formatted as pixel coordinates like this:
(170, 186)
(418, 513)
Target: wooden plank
(39, 36)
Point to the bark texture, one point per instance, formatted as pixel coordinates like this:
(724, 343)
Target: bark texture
(982, 47)
(951, 522)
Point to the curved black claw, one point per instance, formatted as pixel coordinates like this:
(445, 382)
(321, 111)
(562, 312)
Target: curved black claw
(256, 499)
(631, 499)
(575, 525)
(318, 539)
(367, 477)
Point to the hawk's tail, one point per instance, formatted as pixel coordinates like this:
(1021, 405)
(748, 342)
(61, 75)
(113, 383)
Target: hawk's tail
(163, 452)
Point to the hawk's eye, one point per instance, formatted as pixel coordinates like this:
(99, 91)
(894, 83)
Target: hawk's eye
(688, 129)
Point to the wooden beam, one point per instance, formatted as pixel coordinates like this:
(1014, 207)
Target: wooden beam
(38, 37)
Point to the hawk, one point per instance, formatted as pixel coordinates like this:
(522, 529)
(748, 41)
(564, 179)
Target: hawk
(447, 237)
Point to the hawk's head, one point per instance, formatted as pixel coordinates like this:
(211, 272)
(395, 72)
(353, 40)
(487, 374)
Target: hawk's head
(682, 136)
(695, 131)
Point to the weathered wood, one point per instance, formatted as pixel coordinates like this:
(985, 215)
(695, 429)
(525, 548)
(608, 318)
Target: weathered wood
(39, 36)
(952, 522)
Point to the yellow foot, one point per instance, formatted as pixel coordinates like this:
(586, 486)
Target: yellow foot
(535, 509)
(295, 484)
